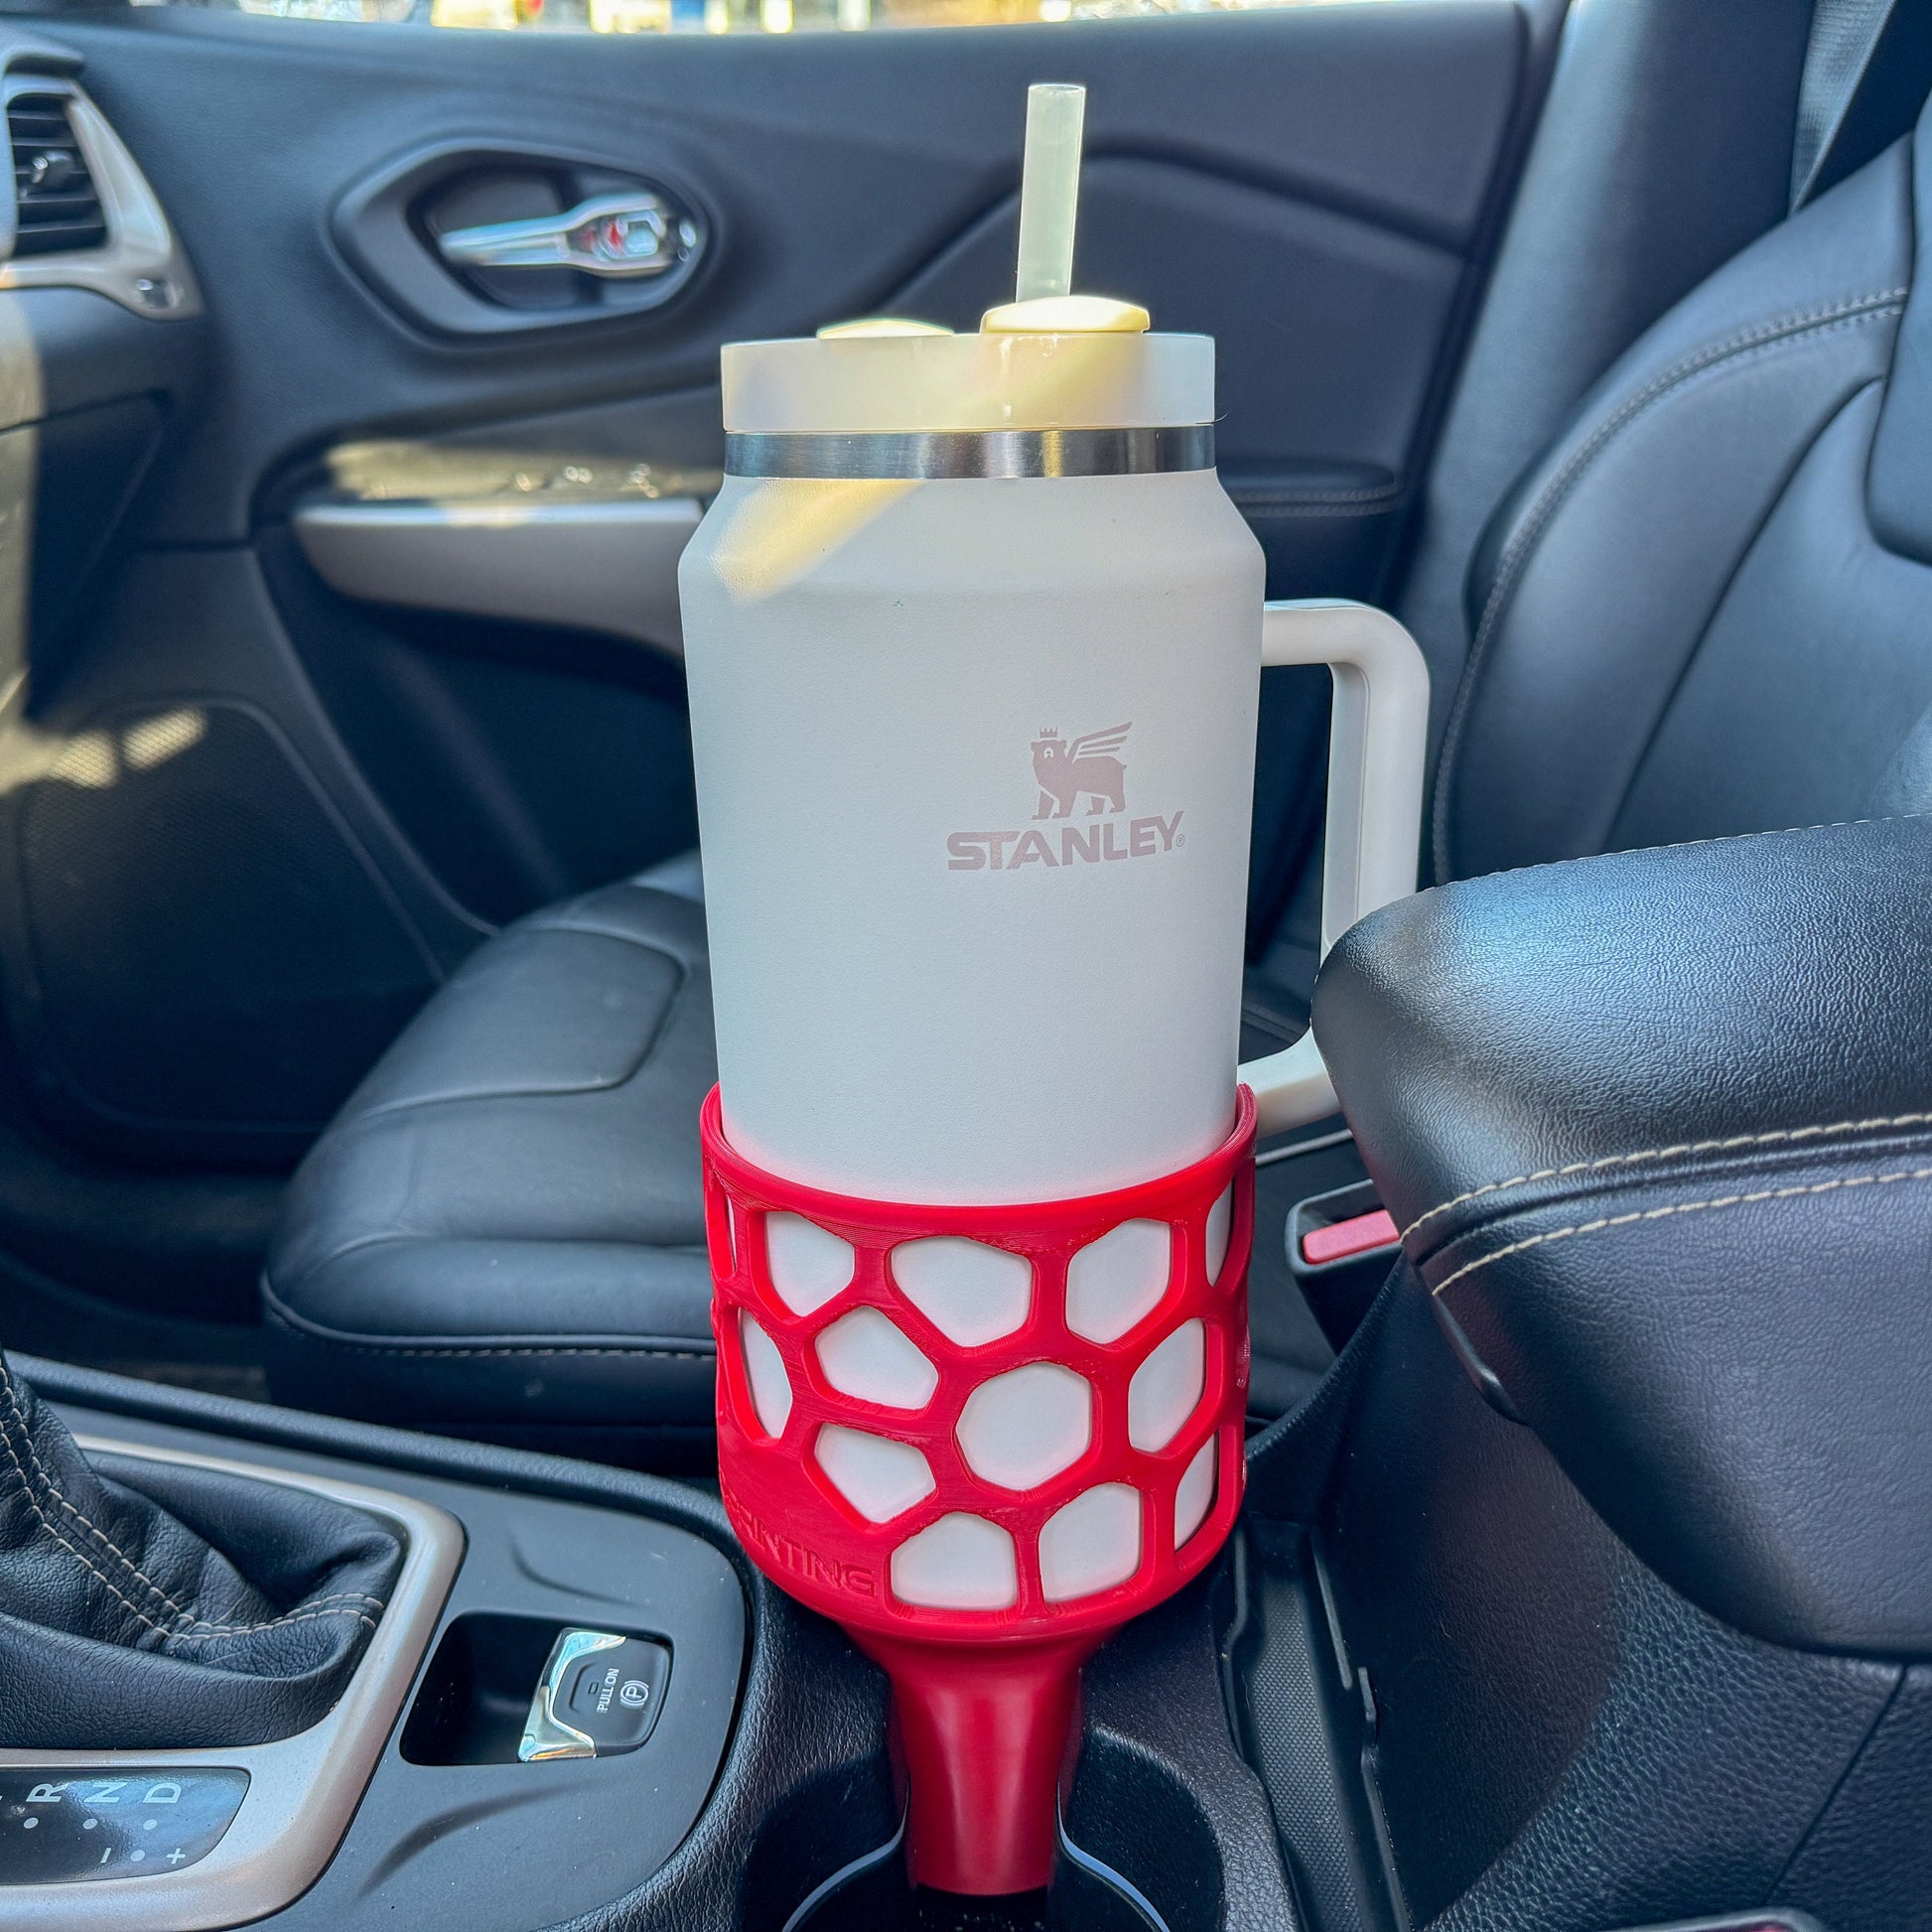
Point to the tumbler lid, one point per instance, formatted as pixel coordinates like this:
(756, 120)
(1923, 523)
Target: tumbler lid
(865, 384)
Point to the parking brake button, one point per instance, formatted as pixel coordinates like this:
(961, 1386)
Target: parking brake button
(598, 1696)
(613, 1695)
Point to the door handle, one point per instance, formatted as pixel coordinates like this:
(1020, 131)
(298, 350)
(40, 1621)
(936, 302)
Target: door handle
(623, 236)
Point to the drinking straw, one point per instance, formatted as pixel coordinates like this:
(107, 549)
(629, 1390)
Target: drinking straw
(1049, 189)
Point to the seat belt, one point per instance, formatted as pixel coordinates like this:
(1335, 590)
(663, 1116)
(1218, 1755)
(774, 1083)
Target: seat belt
(1843, 36)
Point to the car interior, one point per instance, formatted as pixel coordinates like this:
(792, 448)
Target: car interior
(356, 1008)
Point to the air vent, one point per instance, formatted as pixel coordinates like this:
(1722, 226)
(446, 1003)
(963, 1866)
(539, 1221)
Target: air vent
(58, 208)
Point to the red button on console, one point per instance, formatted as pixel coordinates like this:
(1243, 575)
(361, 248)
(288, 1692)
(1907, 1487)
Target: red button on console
(1341, 1239)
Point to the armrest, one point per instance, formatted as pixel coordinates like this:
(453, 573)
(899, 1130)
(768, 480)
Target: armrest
(1657, 1128)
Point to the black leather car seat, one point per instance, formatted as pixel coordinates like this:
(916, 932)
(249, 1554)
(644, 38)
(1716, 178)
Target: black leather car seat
(503, 1233)
(504, 1226)
(1705, 610)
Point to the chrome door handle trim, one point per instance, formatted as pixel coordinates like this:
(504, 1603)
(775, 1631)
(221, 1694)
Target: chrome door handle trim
(623, 236)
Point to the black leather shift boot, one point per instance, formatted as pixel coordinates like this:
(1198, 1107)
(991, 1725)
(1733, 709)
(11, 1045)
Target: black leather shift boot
(160, 1606)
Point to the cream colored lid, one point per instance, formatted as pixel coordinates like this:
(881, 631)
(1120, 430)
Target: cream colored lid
(860, 384)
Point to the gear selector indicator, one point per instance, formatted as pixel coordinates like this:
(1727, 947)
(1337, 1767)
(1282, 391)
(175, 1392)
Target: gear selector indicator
(598, 1696)
(61, 1827)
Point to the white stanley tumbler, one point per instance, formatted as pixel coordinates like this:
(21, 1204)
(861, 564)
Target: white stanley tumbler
(974, 639)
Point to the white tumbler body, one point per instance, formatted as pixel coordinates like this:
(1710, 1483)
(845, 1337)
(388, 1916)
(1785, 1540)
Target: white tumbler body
(975, 764)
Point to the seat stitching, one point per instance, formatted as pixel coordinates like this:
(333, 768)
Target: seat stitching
(1855, 310)
(1262, 494)
(364, 1244)
(389, 1109)
(1765, 517)
(685, 969)
(1676, 845)
(303, 1332)
(1252, 509)
(1776, 1136)
(280, 1317)
(561, 919)
(640, 1065)
(386, 1348)
(636, 1071)
(1669, 1208)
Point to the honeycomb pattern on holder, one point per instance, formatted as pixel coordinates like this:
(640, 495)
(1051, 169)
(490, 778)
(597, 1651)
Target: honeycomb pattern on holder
(1026, 1422)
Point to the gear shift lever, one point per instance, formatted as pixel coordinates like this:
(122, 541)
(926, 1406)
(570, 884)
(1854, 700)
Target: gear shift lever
(151, 1605)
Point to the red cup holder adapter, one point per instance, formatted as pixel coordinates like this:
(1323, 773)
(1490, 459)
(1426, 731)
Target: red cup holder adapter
(981, 1439)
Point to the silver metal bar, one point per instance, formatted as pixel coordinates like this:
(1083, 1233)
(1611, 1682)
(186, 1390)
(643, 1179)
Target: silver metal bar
(942, 455)
(1340, 1138)
(599, 565)
(618, 235)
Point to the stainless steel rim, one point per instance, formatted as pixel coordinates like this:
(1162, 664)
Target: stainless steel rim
(919, 455)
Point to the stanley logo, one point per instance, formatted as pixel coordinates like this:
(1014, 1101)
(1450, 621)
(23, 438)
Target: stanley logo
(1067, 770)
(1086, 765)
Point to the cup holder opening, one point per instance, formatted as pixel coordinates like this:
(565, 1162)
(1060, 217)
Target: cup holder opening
(877, 1899)
(1086, 1895)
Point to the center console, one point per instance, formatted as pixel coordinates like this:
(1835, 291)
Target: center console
(576, 1694)
(221, 1834)
(476, 1777)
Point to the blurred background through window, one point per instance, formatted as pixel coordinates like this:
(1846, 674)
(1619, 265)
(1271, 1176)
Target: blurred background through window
(727, 16)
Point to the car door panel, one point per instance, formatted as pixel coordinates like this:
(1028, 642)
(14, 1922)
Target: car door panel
(1313, 186)
(838, 168)
(1314, 465)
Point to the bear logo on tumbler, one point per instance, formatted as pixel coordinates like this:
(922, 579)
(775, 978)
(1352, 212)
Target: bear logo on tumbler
(1086, 765)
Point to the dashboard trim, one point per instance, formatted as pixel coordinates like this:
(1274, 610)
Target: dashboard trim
(141, 266)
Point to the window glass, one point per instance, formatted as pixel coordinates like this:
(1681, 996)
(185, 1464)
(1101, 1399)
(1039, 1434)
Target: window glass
(731, 16)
